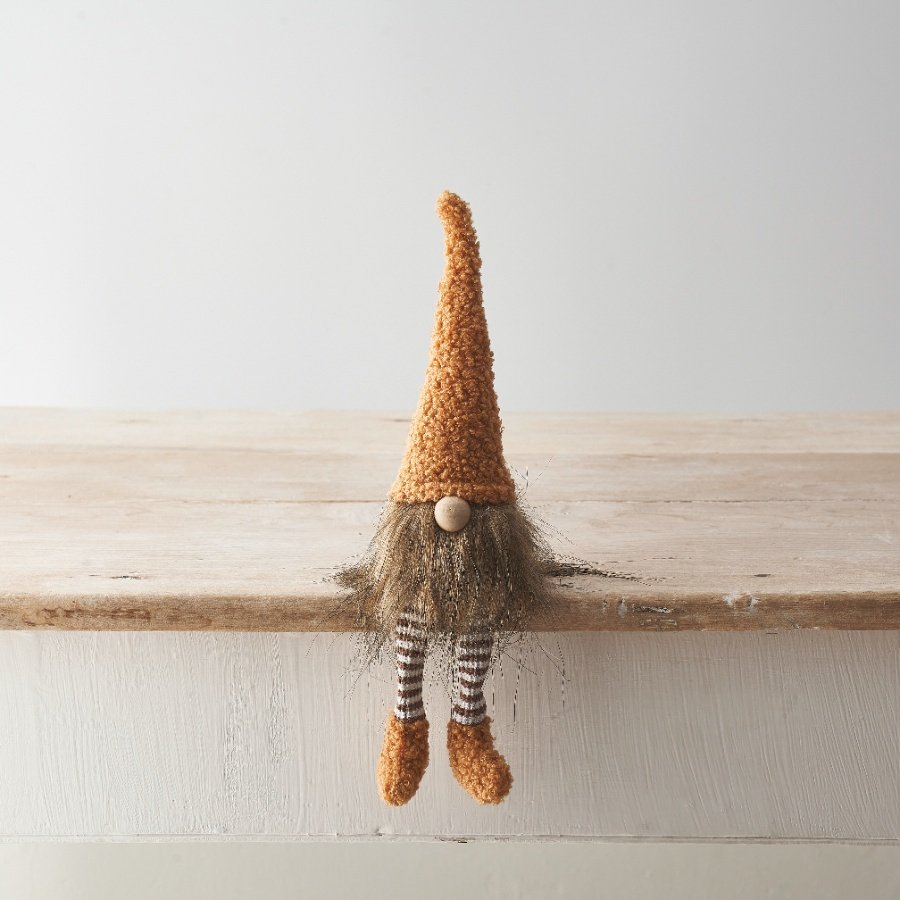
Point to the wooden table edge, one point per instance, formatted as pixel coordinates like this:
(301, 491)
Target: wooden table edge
(584, 610)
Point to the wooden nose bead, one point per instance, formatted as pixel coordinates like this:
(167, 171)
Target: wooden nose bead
(452, 513)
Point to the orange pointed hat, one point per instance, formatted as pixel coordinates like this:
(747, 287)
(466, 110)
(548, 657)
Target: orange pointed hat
(455, 447)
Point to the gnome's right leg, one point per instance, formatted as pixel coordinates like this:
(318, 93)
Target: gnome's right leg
(404, 756)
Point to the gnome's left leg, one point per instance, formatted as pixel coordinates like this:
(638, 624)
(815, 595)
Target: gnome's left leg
(478, 767)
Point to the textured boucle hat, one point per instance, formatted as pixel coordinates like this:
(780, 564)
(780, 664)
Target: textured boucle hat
(455, 446)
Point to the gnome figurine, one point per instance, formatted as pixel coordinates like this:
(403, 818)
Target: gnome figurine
(456, 564)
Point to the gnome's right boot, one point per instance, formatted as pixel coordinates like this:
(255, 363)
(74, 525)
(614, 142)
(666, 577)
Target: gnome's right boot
(403, 760)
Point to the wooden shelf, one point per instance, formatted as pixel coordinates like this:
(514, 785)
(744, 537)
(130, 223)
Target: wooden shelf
(235, 521)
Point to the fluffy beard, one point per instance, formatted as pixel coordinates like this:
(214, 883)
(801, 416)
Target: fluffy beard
(491, 575)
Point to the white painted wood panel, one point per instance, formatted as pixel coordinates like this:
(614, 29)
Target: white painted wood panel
(694, 735)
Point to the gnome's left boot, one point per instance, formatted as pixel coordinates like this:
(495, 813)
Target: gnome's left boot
(478, 767)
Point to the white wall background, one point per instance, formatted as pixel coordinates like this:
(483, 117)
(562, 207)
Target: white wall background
(682, 206)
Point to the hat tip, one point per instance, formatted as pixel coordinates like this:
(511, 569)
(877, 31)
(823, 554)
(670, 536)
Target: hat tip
(448, 202)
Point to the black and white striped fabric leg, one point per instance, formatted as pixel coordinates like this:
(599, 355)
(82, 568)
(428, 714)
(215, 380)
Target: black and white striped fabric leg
(409, 637)
(471, 661)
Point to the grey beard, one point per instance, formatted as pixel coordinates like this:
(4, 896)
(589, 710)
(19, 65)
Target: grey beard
(489, 576)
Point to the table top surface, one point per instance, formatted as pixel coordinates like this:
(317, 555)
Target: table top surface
(237, 520)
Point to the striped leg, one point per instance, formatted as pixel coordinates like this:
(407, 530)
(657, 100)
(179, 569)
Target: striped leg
(404, 754)
(410, 645)
(471, 661)
(475, 764)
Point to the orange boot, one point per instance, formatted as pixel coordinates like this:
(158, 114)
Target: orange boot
(403, 760)
(478, 767)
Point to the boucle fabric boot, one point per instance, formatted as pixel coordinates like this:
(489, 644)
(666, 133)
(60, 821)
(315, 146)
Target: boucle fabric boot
(478, 767)
(403, 760)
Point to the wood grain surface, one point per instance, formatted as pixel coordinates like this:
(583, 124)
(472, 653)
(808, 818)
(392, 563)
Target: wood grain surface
(236, 521)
